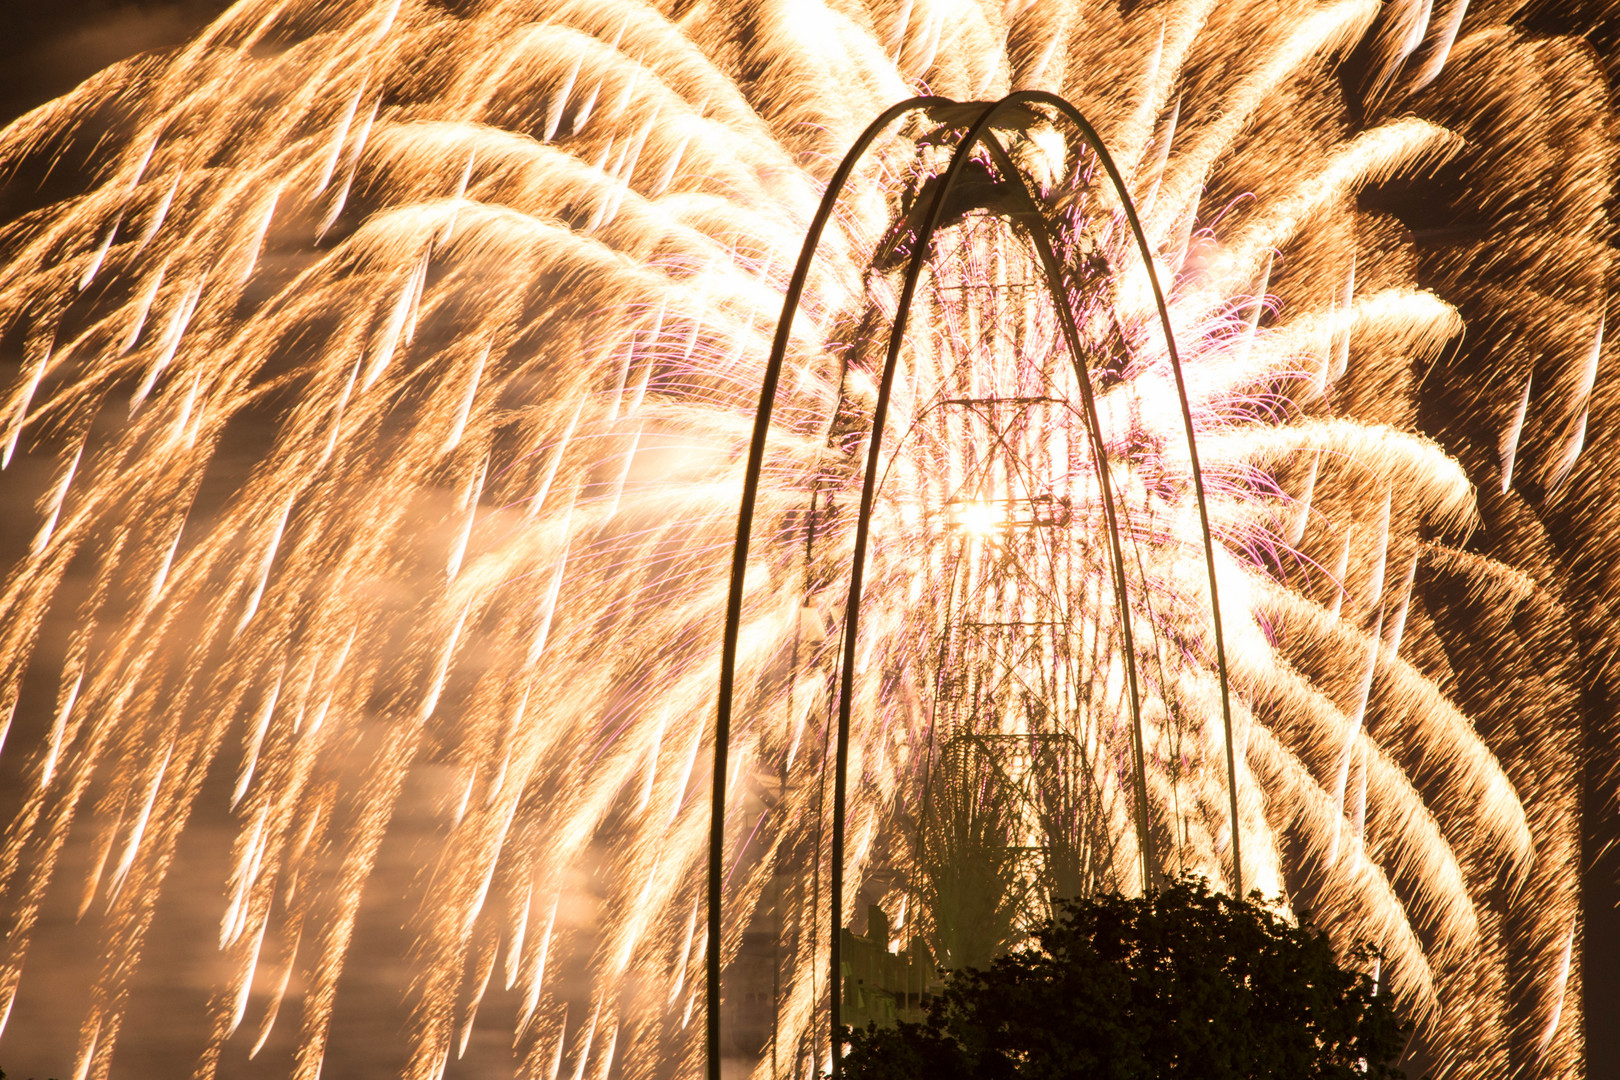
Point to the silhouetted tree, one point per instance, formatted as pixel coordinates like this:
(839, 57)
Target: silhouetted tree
(1182, 984)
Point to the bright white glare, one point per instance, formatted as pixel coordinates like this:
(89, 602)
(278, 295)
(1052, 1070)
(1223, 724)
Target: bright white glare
(982, 517)
(977, 518)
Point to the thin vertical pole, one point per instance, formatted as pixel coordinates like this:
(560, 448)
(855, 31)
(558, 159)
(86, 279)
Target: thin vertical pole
(857, 575)
(739, 567)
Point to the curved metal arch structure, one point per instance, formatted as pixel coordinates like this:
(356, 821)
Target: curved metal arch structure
(978, 119)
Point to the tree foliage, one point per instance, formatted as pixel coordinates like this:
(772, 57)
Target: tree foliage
(1182, 984)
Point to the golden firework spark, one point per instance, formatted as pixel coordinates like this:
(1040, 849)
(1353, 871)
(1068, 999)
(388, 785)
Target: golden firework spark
(384, 371)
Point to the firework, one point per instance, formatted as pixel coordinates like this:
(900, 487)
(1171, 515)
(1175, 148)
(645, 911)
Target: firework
(384, 375)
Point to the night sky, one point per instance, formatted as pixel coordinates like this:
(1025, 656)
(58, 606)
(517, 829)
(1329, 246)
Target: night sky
(48, 48)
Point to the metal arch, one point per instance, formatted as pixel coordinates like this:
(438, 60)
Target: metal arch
(1094, 140)
(739, 563)
(980, 134)
(1071, 336)
(974, 137)
(919, 255)
(851, 627)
